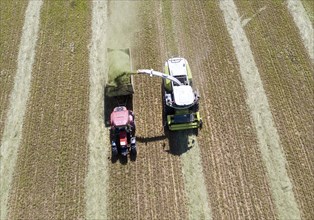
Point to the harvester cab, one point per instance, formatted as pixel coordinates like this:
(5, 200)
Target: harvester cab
(181, 102)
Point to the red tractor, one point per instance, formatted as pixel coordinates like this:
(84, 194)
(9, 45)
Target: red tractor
(122, 132)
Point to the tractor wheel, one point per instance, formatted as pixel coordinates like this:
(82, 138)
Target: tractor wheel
(133, 154)
(114, 152)
(195, 131)
(133, 151)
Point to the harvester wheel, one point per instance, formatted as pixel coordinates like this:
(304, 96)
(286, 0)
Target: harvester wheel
(196, 107)
(196, 131)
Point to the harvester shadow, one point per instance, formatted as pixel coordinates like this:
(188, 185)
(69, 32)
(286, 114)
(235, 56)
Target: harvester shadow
(179, 142)
(151, 139)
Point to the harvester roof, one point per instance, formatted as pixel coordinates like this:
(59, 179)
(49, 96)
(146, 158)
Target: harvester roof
(183, 95)
(177, 67)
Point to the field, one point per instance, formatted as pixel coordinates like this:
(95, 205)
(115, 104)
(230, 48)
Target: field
(254, 69)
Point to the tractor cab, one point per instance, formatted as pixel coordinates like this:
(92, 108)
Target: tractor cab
(122, 131)
(119, 116)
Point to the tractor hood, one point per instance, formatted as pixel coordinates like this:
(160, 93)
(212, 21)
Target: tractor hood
(183, 95)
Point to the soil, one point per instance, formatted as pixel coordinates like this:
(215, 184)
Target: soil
(48, 182)
(12, 131)
(303, 22)
(287, 75)
(64, 167)
(11, 14)
(267, 134)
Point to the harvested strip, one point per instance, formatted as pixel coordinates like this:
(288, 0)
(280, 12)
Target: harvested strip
(12, 14)
(51, 166)
(304, 24)
(12, 133)
(195, 188)
(96, 182)
(309, 8)
(288, 79)
(186, 142)
(237, 186)
(152, 187)
(267, 134)
(198, 202)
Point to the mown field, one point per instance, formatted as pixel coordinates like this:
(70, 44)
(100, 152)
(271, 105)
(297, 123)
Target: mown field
(49, 175)
(63, 167)
(11, 12)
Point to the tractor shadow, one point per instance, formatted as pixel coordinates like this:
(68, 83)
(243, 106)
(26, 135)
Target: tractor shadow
(180, 142)
(123, 159)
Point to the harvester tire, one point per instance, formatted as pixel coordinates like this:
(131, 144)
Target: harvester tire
(196, 107)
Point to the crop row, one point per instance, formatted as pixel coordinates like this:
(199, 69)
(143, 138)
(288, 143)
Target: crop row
(51, 166)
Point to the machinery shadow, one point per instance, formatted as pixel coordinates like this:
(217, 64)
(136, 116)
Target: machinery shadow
(123, 160)
(151, 139)
(120, 158)
(180, 142)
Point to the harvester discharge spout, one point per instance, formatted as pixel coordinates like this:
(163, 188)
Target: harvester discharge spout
(152, 72)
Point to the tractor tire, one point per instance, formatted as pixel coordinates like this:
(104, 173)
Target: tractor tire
(114, 152)
(133, 154)
(133, 151)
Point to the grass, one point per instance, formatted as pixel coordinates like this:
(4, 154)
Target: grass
(226, 140)
(287, 75)
(11, 15)
(53, 153)
(309, 8)
(53, 158)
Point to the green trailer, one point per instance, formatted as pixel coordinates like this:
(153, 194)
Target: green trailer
(119, 88)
